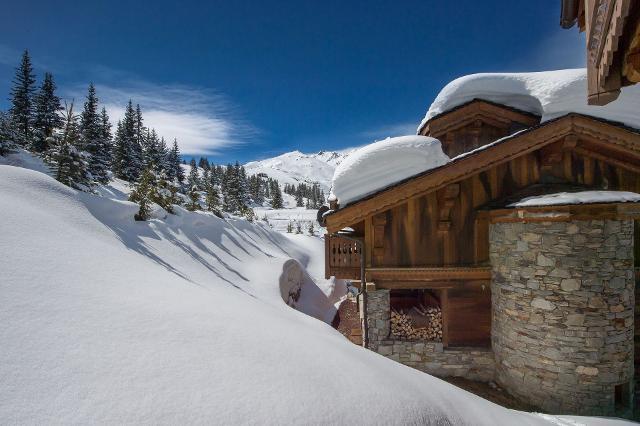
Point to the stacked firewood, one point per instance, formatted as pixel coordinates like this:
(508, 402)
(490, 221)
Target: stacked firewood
(418, 323)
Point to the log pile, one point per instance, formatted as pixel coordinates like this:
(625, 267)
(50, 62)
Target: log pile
(418, 323)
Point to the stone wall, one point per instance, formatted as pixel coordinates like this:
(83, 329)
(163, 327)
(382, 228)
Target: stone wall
(563, 313)
(430, 357)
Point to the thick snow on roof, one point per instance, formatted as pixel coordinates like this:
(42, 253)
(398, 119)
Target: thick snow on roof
(583, 197)
(549, 94)
(381, 164)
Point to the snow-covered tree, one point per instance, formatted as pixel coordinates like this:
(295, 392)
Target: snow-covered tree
(22, 99)
(127, 156)
(92, 138)
(8, 133)
(143, 193)
(212, 196)
(47, 116)
(193, 179)
(68, 163)
(276, 196)
(106, 139)
(174, 165)
(194, 198)
(311, 228)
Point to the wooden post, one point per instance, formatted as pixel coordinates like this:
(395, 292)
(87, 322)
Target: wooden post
(444, 306)
(379, 221)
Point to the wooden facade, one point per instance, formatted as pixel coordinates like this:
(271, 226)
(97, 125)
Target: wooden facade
(432, 230)
(612, 30)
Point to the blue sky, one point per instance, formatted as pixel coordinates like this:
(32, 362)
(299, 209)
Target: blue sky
(252, 79)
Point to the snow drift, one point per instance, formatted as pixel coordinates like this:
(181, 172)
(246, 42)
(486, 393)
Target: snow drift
(549, 94)
(381, 164)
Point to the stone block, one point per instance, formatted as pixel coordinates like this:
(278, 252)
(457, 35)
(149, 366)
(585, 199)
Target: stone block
(570, 284)
(543, 304)
(587, 371)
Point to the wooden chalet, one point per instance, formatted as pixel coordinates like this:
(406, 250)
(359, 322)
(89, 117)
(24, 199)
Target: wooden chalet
(612, 28)
(426, 240)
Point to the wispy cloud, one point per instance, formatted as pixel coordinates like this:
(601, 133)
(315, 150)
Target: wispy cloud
(204, 122)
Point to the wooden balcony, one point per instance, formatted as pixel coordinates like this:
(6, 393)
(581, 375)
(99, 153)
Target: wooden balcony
(342, 258)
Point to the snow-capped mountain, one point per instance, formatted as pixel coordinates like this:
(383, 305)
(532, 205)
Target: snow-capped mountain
(296, 167)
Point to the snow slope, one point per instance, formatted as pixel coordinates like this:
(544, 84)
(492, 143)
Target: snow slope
(295, 167)
(549, 94)
(182, 321)
(384, 163)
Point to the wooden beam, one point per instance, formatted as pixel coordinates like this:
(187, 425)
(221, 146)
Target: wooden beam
(565, 213)
(608, 159)
(429, 274)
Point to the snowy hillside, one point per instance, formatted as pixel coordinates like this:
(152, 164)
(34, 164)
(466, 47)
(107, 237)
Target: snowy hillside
(295, 167)
(183, 321)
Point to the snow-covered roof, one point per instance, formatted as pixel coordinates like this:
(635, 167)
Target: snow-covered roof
(582, 197)
(381, 164)
(549, 94)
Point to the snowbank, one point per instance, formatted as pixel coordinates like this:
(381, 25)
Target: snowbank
(381, 164)
(549, 94)
(583, 197)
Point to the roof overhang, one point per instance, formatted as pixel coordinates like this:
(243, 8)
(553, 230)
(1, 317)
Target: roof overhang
(622, 145)
(492, 113)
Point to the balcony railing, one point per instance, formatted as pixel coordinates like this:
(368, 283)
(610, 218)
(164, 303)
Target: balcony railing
(342, 258)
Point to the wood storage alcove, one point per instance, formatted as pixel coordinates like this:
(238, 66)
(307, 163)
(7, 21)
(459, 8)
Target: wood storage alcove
(416, 315)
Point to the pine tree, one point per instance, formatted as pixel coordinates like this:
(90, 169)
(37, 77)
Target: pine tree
(299, 199)
(289, 228)
(68, 163)
(194, 198)
(152, 153)
(8, 134)
(212, 197)
(166, 190)
(92, 138)
(226, 186)
(310, 228)
(120, 153)
(163, 156)
(106, 139)
(22, 99)
(203, 163)
(174, 165)
(47, 114)
(193, 179)
(143, 194)
(127, 158)
(135, 131)
(298, 228)
(276, 196)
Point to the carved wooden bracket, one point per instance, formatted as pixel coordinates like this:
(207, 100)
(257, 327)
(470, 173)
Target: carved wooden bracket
(451, 193)
(379, 221)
